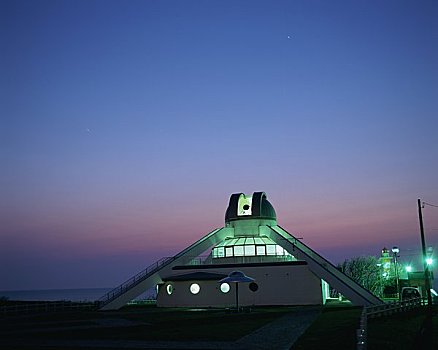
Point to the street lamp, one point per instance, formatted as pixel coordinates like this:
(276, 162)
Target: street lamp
(425, 264)
(409, 268)
(395, 251)
(429, 261)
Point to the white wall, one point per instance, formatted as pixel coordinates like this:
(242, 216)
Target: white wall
(278, 285)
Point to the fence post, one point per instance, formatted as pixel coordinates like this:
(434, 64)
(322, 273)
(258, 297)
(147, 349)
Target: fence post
(361, 333)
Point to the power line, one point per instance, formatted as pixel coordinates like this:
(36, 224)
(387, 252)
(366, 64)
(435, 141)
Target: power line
(431, 205)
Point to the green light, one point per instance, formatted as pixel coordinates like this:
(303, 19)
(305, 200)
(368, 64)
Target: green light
(408, 268)
(429, 261)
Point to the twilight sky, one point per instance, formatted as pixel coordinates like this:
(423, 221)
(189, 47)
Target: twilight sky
(125, 127)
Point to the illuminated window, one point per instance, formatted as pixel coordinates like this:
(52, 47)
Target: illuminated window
(229, 251)
(225, 287)
(233, 241)
(240, 241)
(244, 205)
(261, 250)
(279, 250)
(169, 289)
(249, 250)
(238, 250)
(258, 240)
(220, 252)
(266, 240)
(270, 249)
(194, 288)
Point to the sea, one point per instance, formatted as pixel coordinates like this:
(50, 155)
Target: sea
(78, 295)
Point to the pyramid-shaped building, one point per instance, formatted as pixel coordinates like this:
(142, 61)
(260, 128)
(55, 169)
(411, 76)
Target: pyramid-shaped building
(285, 271)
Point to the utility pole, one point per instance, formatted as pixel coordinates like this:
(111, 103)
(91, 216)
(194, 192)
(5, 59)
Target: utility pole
(425, 266)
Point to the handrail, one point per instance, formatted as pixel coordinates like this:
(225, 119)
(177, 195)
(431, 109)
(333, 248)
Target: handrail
(136, 279)
(151, 269)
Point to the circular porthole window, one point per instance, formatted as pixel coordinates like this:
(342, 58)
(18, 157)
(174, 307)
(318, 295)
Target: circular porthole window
(169, 289)
(194, 288)
(254, 287)
(225, 287)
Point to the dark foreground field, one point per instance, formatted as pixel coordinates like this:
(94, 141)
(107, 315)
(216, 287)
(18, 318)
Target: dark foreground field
(148, 326)
(335, 329)
(134, 327)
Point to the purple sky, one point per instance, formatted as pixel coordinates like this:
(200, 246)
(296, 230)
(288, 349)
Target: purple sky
(125, 127)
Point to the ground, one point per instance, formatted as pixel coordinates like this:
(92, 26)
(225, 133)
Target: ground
(333, 325)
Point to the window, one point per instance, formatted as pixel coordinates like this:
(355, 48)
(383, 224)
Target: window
(258, 240)
(261, 250)
(249, 241)
(254, 287)
(279, 250)
(169, 289)
(249, 250)
(220, 252)
(229, 251)
(270, 249)
(238, 250)
(194, 288)
(240, 241)
(233, 241)
(225, 287)
(244, 205)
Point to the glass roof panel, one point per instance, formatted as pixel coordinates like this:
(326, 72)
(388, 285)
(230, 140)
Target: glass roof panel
(249, 240)
(240, 241)
(267, 240)
(258, 240)
(232, 241)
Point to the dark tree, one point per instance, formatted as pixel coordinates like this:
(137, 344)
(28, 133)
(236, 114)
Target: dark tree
(366, 272)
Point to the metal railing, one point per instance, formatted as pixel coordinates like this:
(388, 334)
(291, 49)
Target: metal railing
(136, 279)
(362, 331)
(44, 307)
(150, 270)
(380, 311)
(253, 259)
(393, 307)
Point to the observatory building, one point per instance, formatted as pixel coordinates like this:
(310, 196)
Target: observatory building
(285, 270)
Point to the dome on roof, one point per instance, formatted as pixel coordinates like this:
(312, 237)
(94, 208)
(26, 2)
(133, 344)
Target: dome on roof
(256, 206)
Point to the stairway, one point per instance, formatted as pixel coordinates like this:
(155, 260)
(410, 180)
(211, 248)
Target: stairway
(151, 276)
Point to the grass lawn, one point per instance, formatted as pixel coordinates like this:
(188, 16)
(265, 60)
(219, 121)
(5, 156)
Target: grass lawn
(144, 323)
(401, 331)
(335, 328)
